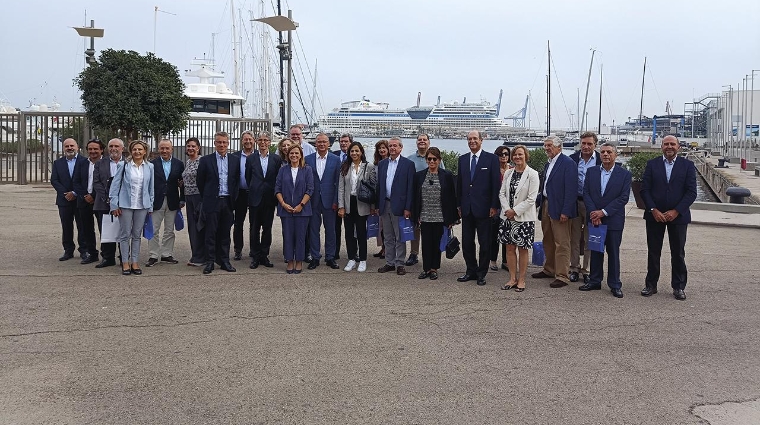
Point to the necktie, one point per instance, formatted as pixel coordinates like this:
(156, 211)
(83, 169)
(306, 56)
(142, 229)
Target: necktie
(342, 157)
(473, 165)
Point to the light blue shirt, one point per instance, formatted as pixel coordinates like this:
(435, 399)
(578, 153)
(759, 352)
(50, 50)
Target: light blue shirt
(605, 179)
(167, 167)
(264, 163)
(668, 166)
(392, 165)
(70, 163)
(420, 161)
(583, 166)
(243, 183)
(221, 163)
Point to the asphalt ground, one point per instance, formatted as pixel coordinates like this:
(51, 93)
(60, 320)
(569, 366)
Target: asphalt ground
(85, 345)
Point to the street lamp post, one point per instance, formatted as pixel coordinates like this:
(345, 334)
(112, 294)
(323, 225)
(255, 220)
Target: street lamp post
(91, 32)
(281, 23)
(751, 108)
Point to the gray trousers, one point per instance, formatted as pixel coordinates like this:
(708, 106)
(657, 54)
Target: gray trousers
(395, 250)
(131, 224)
(165, 247)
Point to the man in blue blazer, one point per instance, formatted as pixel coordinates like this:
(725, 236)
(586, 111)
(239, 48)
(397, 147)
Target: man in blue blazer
(478, 184)
(247, 148)
(261, 170)
(324, 201)
(218, 179)
(669, 187)
(85, 189)
(558, 202)
(167, 172)
(395, 180)
(605, 194)
(584, 158)
(62, 180)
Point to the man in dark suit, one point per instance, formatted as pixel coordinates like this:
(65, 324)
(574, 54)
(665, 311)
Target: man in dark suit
(669, 187)
(345, 141)
(84, 187)
(585, 158)
(605, 192)
(241, 205)
(395, 183)
(104, 170)
(167, 173)
(324, 201)
(558, 201)
(62, 180)
(261, 170)
(218, 179)
(478, 184)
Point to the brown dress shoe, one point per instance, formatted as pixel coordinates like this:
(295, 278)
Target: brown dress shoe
(400, 270)
(386, 268)
(557, 284)
(540, 275)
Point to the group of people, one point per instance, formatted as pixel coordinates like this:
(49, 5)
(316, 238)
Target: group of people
(497, 197)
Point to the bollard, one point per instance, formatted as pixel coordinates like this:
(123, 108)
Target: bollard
(737, 194)
(721, 162)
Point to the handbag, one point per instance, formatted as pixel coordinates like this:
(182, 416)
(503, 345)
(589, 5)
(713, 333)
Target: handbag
(596, 237)
(179, 221)
(373, 226)
(538, 254)
(452, 247)
(365, 192)
(109, 228)
(406, 229)
(148, 227)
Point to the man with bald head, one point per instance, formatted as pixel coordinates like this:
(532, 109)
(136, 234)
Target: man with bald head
(102, 176)
(669, 187)
(167, 175)
(62, 180)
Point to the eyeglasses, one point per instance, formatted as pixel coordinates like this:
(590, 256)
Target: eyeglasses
(431, 158)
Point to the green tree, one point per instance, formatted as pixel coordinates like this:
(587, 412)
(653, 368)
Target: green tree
(450, 160)
(537, 160)
(125, 92)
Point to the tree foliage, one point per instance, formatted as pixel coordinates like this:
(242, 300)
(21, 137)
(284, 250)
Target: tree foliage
(537, 160)
(130, 93)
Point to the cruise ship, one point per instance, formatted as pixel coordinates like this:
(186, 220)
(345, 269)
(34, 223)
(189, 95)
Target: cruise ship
(366, 117)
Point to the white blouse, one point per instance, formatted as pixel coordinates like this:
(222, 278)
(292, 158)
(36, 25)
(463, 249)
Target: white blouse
(294, 173)
(354, 178)
(136, 185)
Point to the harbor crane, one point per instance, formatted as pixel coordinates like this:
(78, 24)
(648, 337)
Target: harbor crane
(518, 118)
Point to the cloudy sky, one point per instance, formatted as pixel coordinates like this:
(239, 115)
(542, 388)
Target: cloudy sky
(390, 50)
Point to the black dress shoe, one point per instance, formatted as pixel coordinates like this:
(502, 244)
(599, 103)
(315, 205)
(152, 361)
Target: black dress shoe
(151, 262)
(254, 264)
(332, 264)
(648, 291)
(423, 275)
(105, 263)
(540, 275)
(466, 277)
(89, 259)
(227, 267)
(617, 292)
(573, 276)
(238, 256)
(208, 268)
(126, 272)
(137, 271)
(481, 281)
(313, 264)
(169, 260)
(590, 287)
(557, 283)
(586, 279)
(679, 294)
(309, 258)
(265, 262)
(412, 260)
(66, 256)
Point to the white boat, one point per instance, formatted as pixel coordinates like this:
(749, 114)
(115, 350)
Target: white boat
(212, 99)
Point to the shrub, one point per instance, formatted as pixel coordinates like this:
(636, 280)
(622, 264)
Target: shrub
(638, 162)
(538, 159)
(450, 160)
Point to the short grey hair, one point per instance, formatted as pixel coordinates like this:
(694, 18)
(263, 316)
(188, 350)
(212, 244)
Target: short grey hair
(350, 137)
(248, 132)
(400, 143)
(323, 134)
(166, 140)
(116, 139)
(556, 141)
(261, 133)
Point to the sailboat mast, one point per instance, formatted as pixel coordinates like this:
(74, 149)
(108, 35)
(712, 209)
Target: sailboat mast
(236, 79)
(588, 83)
(549, 90)
(601, 69)
(641, 105)
(314, 94)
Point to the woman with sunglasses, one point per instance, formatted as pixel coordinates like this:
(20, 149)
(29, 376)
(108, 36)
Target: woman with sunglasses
(502, 152)
(434, 206)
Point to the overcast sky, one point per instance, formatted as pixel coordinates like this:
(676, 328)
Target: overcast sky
(390, 50)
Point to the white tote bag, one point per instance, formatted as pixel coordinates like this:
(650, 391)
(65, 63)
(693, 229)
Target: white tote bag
(110, 228)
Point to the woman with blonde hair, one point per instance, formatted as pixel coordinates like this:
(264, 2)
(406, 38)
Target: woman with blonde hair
(131, 199)
(293, 190)
(519, 189)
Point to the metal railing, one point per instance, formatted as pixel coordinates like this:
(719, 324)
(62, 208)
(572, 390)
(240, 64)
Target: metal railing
(31, 141)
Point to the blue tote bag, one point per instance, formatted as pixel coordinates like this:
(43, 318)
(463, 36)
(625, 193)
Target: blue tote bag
(538, 254)
(179, 221)
(596, 237)
(406, 229)
(373, 226)
(148, 227)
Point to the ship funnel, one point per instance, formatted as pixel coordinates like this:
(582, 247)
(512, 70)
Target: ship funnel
(419, 96)
(438, 102)
(498, 104)
(464, 100)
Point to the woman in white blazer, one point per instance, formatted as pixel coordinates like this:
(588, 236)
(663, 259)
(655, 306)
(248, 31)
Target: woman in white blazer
(519, 189)
(131, 199)
(353, 211)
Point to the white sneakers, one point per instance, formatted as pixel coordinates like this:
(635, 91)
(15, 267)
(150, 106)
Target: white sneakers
(350, 266)
(362, 266)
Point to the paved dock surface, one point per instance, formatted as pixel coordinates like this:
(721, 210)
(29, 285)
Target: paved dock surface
(80, 345)
(739, 177)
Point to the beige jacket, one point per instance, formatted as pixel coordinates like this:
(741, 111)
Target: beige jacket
(525, 195)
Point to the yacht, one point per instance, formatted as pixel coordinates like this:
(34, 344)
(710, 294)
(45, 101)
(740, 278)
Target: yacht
(212, 99)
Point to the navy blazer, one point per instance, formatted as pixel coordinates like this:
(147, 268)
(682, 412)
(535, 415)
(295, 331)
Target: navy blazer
(325, 190)
(562, 188)
(62, 181)
(678, 194)
(261, 182)
(208, 180)
(448, 195)
(167, 188)
(100, 183)
(615, 195)
(292, 194)
(81, 180)
(482, 193)
(401, 188)
(576, 156)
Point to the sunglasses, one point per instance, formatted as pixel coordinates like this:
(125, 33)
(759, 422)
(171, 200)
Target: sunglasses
(504, 154)
(434, 159)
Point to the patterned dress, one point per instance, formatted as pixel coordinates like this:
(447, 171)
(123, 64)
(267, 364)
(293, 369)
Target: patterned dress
(511, 232)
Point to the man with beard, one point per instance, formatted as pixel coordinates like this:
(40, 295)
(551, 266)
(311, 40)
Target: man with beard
(62, 180)
(104, 171)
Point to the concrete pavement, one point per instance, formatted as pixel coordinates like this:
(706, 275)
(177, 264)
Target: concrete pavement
(81, 345)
